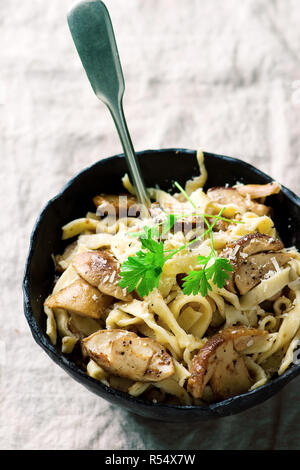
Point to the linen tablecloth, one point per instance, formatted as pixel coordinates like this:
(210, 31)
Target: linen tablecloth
(221, 75)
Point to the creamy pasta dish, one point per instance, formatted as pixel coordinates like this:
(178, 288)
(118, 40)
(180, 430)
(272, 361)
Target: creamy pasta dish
(195, 302)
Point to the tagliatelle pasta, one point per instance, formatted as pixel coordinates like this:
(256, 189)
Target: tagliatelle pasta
(230, 333)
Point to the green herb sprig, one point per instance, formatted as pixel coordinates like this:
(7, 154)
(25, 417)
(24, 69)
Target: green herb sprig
(143, 270)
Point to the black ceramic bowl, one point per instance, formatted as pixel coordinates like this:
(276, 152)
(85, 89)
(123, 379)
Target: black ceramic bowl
(159, 167)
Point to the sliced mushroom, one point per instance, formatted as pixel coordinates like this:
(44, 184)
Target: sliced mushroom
(226, 196)
(101, 270)
(251, 244)
(81, 298)
(111, 204)
(127, 355)
(240, 252)
(220, 363)
(256, 268)
(220, 225)
(256, 191)
(242, 336)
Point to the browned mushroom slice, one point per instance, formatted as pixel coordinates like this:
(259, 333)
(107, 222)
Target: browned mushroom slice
(127, 355)
(257, 191)
(119, 205)
(81, 298)
(259, 209)
(231, 376)
(251, 244)
(256, 268)
(220, 225)
(220, 363)
(242, 336)
(238, 252)
(101, 270)
(226, 196)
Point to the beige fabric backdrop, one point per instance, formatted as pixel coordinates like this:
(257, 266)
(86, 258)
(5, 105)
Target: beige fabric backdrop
(222, 75)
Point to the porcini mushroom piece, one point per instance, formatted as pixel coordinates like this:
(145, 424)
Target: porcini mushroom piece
(112, 204)
(256, 191)
(237, 252)
(220, 363)
(225, 196)
(231, 376)
(220, 225)
(81, 298)
(242, 336)
(127, 355)
(251, 244)
(256, 267)
(228, 196)
(259, 209)
(101, 270)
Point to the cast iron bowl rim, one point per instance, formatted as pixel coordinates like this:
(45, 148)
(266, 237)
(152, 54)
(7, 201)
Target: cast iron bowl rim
(82, 376)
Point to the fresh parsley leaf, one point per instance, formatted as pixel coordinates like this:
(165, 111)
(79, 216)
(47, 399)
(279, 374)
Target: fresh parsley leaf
(221, 270)
(149, 232)
(143, 270)
(153, 231)
(195, 282)
(203, 259)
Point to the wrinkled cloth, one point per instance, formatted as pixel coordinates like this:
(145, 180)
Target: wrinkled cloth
(223, 76)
